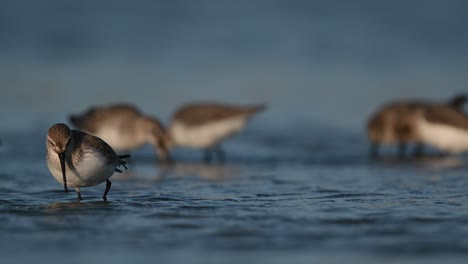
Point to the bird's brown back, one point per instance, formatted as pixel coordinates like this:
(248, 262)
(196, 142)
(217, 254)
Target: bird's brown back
(91, 142)
(447, 115)
(94, 117)
(202, 113)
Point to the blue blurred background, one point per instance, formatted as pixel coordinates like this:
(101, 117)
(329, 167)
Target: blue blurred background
(297, 186)
(330, 62)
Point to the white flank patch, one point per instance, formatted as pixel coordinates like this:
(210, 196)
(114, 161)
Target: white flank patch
(206, 135)
(445, 137)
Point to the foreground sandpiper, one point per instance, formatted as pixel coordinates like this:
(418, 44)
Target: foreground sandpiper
(124, 127)
(78, 159)
(205, 125)
(404, 122)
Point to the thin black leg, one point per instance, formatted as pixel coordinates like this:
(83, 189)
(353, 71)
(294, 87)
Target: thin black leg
(220, 154)
(207, 157)
(108, 186)
(78, 193)
(374, 150)
(418, 150)
(401, 150)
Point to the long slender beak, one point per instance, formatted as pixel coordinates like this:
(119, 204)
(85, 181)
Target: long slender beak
(62, 164)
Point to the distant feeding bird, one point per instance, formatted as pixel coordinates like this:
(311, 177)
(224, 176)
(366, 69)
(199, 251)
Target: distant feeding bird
(195, 125)
(403, 122)
(205, 125)
(78, 159)
(124, 127)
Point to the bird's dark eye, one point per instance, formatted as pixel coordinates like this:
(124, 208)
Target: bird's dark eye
(51, 143)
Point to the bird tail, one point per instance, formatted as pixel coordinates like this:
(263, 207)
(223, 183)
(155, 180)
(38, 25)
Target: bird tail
(458, 101)
(76, 120)
(122, 162)
(256, 108)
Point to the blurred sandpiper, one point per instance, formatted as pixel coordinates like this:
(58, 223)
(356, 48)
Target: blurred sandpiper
(403, 122)
(78, 159)
(205, 125)
(124, 127)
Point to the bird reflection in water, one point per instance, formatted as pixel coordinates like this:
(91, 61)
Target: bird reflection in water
(211, 172)
(434, 161)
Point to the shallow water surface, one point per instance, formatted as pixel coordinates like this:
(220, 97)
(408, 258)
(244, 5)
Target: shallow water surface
(297, 198)
(289, 193)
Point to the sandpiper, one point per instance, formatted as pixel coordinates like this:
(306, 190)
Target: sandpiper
(398, 123)
(78, 159)
(124, 127)
(205, 125)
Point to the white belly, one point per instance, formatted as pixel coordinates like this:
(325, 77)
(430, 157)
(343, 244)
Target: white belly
(444, 137)
(207, 135)
(92, 170)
